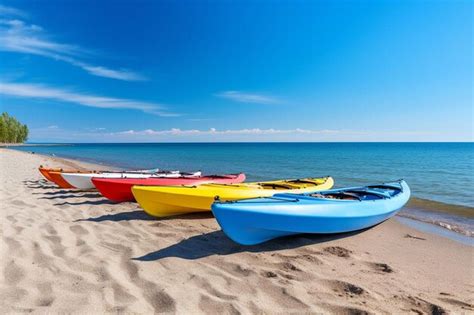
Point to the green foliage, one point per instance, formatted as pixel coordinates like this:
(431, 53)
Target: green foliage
(11, 130)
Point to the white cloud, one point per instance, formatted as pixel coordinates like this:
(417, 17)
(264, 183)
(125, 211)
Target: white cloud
(243, 97)
(9, 11)
(214, 131)
(19, 36)
(121, 74)
(230, 135)
(57, 94)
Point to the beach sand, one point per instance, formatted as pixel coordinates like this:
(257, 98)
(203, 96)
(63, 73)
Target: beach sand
(74, 251)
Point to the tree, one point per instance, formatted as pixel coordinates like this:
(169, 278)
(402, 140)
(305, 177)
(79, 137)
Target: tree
(3, 129)
(11, 130)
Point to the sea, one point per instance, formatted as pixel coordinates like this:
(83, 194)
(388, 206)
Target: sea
(440, 175)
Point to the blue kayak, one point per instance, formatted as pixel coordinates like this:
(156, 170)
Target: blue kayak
(253, 221)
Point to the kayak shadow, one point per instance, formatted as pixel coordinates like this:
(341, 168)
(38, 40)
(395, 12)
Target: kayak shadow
(41, 186)
(189, 216)
(69, 195)
(67, 191)
(217, 243)
(39, 182)
(86, 202)
(136, 215)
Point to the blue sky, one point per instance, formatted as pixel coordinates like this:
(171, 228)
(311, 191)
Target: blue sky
(112, 71)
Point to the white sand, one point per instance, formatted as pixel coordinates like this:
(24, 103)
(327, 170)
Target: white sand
(68, 251)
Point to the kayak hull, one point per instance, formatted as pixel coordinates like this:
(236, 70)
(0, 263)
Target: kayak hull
(169, 201)
(120, 190)
(45, 172)
(255, 221)
(84, 181)
(58, 179)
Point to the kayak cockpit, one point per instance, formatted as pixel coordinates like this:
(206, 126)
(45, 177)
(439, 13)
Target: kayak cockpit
(388, 189)
(349, 195)
(369, 193)
(275, 186)
(292, 184)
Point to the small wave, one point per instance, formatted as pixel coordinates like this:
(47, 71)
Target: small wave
(431, 205)
(455, 218)
(464, 230)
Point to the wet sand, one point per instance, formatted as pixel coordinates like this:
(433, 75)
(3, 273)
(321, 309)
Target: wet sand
(75, 252)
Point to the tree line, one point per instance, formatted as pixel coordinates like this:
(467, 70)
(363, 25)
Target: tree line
(11, 130)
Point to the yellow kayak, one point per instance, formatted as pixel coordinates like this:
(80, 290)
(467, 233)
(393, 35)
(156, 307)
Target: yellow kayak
(164, 201)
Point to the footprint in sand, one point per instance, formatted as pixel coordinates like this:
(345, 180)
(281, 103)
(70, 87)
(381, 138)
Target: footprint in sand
(269, 274)
(421, 306)
(338, 251)
(289, 300)
(12, 219)
(155, 296)
(22, 204)
(236, 270)
(310, 258)
(13, 273)
(50, 229)
(78, 230)
(45, 301)
(457, 303)
(289, 267)
(46, 297)
(211, 306)
(303, 257)
(43, 260)
(19, 203)
(380, 267)
(346, 310)
(346, 288)
(14, 247)
(162, 302)
(121, 295)
(18, 229)
(211, 290)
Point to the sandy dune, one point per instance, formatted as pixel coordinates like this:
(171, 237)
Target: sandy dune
(73, 251)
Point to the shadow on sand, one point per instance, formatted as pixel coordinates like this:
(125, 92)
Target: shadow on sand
(122, 216)
(41, 186)
(86, 202)
(36, 182)
(66, 191)
(69, 195)
(189, 216)
(140, 215)
(217, 243)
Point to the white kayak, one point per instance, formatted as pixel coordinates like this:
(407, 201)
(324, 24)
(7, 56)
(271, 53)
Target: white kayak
(84, 180)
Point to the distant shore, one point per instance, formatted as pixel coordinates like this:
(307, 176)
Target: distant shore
(6, 145)
(74, 251)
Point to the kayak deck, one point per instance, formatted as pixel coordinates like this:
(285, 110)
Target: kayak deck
(172, 200)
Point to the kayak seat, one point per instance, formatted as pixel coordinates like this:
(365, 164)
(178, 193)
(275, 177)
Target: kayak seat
(301, 181)
(338, 195)
(389, 189)
(369, 195)
(274, 186)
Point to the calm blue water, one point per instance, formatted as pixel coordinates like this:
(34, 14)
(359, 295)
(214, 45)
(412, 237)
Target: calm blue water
(436, 171)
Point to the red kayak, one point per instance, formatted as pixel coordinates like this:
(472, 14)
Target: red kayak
(120, 189)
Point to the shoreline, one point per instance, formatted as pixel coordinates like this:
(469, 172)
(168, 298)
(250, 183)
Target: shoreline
(456, 218)
(74, 252)
(7, 145)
